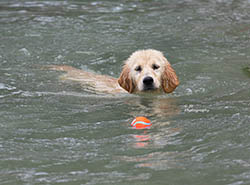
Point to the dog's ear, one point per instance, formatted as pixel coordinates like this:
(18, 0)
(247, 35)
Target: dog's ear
(125, 80)
(169, 78)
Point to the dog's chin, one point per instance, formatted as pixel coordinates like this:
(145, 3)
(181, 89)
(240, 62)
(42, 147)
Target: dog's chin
(144, 89)
(149, 88)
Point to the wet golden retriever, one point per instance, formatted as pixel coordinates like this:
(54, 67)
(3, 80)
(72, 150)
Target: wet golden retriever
(144, 71)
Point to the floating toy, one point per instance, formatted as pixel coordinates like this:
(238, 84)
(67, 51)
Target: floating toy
(141, 123)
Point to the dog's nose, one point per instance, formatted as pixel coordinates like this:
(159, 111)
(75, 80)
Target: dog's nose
(148, 81)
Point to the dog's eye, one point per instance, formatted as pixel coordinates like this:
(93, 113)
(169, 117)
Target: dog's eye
(138, 68)
(155, 66)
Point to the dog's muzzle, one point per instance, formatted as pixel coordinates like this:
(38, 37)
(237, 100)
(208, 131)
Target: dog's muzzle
(148, 83)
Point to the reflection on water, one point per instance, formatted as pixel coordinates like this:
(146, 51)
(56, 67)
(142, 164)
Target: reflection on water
(153, 106)
(247, 71)
(141, 141)
(57, 132)
(162, 138)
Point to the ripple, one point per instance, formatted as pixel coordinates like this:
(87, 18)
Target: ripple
(45, 19)
(6, 87)
(25, 51)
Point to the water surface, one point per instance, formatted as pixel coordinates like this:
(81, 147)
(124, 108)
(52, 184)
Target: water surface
(55, 132)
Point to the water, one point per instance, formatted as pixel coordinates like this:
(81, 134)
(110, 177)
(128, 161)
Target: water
(55, 132)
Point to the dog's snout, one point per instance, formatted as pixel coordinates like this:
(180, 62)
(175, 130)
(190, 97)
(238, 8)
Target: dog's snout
(148, 81)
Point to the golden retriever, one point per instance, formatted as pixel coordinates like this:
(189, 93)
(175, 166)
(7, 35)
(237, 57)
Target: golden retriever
(144, 71)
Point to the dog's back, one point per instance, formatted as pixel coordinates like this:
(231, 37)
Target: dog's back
(99, 83)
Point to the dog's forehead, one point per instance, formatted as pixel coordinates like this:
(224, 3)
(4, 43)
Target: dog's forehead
(145, 57)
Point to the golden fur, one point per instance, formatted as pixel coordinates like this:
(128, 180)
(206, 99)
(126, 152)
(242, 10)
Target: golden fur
(164, 77)
(144, 71)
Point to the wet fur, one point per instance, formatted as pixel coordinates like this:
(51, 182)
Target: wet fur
(165, 79)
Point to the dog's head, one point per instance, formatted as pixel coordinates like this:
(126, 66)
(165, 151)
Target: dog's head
(148, 70)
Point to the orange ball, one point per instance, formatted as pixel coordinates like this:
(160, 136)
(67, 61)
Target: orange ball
(141, 123)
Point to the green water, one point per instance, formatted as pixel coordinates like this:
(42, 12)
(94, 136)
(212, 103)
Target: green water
(55, 132)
